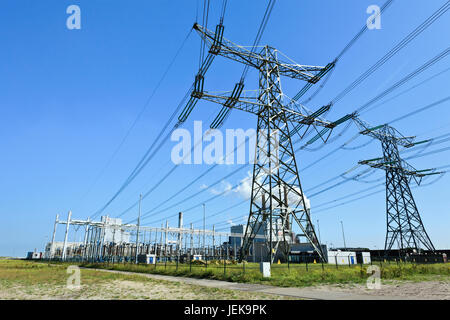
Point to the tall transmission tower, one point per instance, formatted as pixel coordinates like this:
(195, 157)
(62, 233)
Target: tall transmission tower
(277, 199)
(404, 225)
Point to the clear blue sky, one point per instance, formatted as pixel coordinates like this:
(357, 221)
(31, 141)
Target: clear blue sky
(68, 97)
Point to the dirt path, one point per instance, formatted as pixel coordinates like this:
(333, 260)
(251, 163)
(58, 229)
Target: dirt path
(394, 290)
(424, 290)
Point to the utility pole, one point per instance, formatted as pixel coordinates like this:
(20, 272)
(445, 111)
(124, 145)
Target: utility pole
(204, 225)
(192, 239)
(166, 239)
(180, 235)
(343, 235)
(63, 255)
(138, 226)
(318, 229)
(214, 240)
(53, 237)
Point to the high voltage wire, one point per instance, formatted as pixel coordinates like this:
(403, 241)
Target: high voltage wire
(148, 156)
(146, 194)
(343, 51)
(365, 172)
(409, 89)
(344, 48)
(381, 103)
(348, 196)
(411, 75)
(223, 210)
(400, 45)
(435, 140)
(342, 182)
(139, 169)
(395, 86)
(141, 112)
(350, 201)
(372, 193)
(200, 204)
(197, 178)
(421, 109)
(328, 76)
(429, 21)
(147, 214)
(175, 166)
(259, 34)
(221, 222)
(225, 112)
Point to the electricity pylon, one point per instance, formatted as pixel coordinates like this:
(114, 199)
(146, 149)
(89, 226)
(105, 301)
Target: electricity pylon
(404, 225)
(277, 199)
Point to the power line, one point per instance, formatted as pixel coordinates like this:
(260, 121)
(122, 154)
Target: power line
(411, 75)
(196, 179)
(259, 34)
(409, 89)
(395, 86)
(141, 112)
(149, 154)
(417, 31)
(343, 51)
(192, 196)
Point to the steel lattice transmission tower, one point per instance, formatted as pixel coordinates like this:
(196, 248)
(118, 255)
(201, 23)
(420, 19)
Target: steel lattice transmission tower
(277, 199)
(404, 225)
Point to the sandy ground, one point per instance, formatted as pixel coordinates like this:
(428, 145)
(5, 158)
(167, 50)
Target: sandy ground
(424, 290)
(126, 290)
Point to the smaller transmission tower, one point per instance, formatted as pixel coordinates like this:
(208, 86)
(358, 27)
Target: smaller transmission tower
(404, 225)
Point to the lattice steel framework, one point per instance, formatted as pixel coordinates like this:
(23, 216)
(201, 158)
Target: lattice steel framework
(277, 199)
(405, 228)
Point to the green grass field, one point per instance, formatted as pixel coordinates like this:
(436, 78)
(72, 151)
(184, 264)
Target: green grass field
(297, 275)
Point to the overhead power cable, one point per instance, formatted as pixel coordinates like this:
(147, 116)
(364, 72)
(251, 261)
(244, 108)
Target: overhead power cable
(343, 51)
(411, 75)
(417, 31)
(149, 154)
(259, 34)
(408, 90)
(191, 196)
(395, 86)
(190, 183)
(141, 112)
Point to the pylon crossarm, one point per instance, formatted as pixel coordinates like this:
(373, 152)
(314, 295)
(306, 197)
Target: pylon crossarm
(307, 121)
(384, 131)
(252, 105)
(405, 167)
(252, 58)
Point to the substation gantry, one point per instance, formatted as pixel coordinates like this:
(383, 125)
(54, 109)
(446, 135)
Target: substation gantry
(277, 199)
